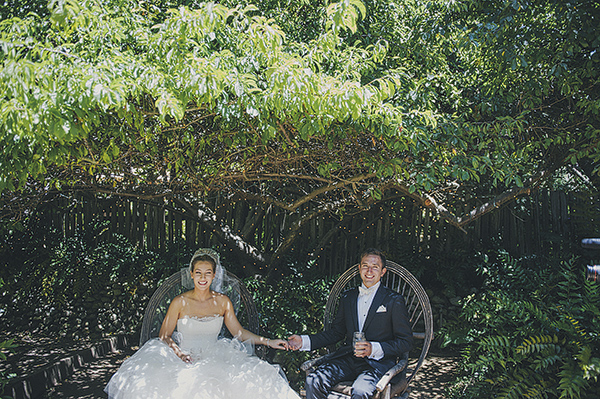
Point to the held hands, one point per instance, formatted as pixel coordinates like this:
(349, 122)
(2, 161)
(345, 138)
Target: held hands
(362, 349)
(294, 342)
(277, 344)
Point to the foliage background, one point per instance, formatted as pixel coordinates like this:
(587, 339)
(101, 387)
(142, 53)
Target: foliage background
(461, 106)
(532, 331)
(511, 318)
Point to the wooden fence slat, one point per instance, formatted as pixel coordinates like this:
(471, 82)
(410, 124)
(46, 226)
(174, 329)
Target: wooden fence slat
(142, 224)
(525, 225)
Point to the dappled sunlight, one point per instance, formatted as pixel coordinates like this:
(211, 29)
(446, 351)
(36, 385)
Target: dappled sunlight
(31, 352)
(437, 372)
(434, 377)
(89, 382)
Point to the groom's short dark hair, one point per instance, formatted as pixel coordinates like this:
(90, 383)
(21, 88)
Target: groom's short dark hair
(373, 251)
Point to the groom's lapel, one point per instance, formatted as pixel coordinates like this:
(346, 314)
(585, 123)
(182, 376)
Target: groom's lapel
(377, 301)
(353, 298)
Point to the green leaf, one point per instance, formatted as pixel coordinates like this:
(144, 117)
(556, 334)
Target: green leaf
(518, 181)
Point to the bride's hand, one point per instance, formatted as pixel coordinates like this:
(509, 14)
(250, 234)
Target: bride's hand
(277, 344)
(185, 358)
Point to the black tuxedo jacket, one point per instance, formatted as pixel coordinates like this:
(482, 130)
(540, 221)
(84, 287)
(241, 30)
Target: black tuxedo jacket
(387, 323)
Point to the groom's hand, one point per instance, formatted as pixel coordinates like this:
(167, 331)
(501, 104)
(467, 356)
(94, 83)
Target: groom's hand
(363, 349)
(295, 342)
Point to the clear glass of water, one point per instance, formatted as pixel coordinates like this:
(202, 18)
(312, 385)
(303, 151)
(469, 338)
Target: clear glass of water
(359, 336)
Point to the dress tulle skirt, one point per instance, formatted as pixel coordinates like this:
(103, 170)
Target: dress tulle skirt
(224, 370)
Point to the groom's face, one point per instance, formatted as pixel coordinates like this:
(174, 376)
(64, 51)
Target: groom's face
(371, 270)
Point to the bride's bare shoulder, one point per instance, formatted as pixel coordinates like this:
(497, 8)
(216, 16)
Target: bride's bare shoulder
(219, 296)
(223, 300)
(181, 298)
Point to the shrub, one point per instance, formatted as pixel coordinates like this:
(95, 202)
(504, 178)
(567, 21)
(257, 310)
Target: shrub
(534, 332)
(5, 346)
(291, 306)
(78, 287)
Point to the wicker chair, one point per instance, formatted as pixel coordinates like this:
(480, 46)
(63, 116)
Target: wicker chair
(395, 383)
(171, 287)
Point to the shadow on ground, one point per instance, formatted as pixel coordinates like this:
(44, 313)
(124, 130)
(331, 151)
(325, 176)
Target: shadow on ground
(437, 372)
(430, 383)
(89, 382)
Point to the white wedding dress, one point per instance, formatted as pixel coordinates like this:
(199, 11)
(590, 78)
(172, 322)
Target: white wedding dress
(221, 369)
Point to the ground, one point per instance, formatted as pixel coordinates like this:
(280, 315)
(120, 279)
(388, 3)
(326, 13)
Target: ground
(437, 372)
(430, 383)
(88, 382)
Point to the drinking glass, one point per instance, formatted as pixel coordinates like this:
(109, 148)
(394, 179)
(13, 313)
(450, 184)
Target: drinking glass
(359, 336)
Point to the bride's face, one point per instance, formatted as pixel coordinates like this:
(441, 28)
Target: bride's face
(203, 274)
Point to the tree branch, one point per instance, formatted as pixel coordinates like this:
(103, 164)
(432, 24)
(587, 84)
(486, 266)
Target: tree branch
(293, 232)
(496, 203)
(293, 207)
(206, 216)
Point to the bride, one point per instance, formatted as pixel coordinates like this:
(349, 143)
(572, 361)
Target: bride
(191, 362)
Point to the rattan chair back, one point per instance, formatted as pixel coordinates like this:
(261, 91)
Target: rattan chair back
(400, 280)
(159, 304)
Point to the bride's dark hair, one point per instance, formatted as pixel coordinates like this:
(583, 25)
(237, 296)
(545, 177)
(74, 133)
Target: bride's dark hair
(203, 258)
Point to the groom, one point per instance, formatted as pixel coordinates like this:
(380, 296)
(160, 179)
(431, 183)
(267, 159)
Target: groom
(377, 311)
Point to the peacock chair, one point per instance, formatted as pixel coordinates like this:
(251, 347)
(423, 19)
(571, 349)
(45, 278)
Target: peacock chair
(159, 304)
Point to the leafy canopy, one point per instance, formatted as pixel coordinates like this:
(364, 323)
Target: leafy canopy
(101, 88)
(439, 100)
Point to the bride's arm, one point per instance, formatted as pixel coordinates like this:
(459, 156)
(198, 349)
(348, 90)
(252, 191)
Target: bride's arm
(168, 326)
(236, 329)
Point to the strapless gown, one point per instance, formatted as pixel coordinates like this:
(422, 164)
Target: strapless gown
(221, 369)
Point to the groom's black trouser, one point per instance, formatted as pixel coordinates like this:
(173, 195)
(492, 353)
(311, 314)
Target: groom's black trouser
(347, 368)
